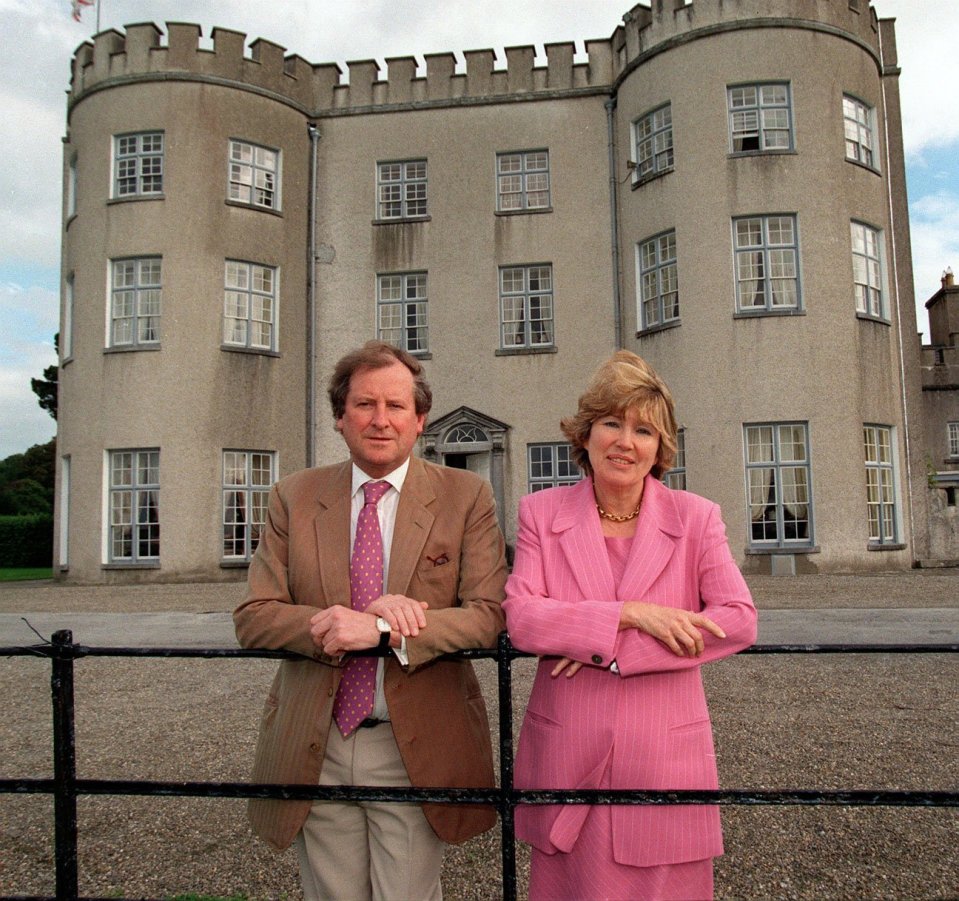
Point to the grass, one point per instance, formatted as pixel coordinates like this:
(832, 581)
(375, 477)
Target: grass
(22, 574)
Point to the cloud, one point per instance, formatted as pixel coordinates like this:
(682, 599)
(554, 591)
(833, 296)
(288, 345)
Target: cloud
(28, 321)
(935, 245)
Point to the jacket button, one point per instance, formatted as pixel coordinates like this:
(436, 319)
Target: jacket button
(597, 659)
(315, 748)
(329, 692)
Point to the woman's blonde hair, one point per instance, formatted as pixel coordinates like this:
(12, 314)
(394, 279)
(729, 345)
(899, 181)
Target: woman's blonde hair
(624, 382)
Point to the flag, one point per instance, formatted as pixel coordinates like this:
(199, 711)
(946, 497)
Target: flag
(78, 7)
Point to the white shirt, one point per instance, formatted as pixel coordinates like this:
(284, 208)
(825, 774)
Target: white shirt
(386, 513)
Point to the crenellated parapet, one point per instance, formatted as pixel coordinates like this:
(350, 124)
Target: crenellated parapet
(663, 23)
(144, 52)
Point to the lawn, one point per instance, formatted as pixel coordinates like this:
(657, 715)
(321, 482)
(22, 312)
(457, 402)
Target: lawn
(22, 574)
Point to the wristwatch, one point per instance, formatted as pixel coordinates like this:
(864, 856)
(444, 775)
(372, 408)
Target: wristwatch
(385, 630)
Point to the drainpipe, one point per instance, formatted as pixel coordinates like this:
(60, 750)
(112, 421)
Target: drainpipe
(613, 223)
(314, 133)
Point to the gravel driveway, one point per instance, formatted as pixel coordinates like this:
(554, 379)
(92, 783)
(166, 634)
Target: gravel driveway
(878, 721)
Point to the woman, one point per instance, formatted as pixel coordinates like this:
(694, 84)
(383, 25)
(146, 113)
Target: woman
(624, 588)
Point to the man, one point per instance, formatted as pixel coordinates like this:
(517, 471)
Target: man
(381, 550)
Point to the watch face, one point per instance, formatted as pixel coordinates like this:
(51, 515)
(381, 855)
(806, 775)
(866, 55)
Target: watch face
(382, 625)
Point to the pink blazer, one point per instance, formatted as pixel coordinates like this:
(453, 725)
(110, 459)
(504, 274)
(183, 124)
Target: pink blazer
(647, 727)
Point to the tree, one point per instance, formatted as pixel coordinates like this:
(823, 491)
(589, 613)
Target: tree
(46, 388)
(27, 480)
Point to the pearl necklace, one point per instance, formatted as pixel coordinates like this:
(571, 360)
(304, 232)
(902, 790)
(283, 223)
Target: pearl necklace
(616, 517)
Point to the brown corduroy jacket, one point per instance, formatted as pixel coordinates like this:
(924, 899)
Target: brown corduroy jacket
(447, 550)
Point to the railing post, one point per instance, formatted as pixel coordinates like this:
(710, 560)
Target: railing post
(64, 766)
(504, 665)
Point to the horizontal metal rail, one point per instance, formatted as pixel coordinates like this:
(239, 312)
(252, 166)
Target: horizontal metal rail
(66, 787)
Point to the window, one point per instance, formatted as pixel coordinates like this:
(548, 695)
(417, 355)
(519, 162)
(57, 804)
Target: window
(526, 305)
(138, 164)
(867, 271)
(767, 264)
(759, 118)
(66, 329)
(247, 477)
(135, 302)
(777, 484)
(401, 311)
(550, 465)
(858, 122)
(63, 550)
(134, 506)
(72, 187)
(522, 181)
(952, 430)
(254, 175)
(653, 139)
(880, 484)
(249, 314)
(401, 190)
(676, 477)
(658, 285)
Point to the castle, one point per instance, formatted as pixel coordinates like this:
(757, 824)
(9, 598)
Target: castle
(719, 187)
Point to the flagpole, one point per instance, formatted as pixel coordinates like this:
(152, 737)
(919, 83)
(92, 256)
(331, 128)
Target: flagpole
(98, 16)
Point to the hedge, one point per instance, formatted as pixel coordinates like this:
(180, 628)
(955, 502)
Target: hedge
(26, 540)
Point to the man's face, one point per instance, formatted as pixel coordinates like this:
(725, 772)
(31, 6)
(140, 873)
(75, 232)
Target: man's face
(379, 423)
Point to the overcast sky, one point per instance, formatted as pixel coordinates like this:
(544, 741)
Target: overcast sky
(39, 38)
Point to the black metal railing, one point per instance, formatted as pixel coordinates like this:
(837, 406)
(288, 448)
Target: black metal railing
(66, 787)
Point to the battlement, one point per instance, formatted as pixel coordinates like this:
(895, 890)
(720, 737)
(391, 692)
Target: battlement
(141, 53)
(661, 22)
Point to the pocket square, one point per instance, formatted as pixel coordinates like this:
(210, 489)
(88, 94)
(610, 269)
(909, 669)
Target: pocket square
(438, 561)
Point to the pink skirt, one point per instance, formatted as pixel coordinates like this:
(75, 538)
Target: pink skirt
(589, 873)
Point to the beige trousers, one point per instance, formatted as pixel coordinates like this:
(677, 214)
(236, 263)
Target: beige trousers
(365, 851)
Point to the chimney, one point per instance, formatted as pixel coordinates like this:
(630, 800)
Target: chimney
(947, 278)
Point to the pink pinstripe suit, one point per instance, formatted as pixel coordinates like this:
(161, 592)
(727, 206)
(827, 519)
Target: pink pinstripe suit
(648, 727)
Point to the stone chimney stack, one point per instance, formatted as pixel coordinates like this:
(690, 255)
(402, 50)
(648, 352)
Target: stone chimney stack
(947, 278)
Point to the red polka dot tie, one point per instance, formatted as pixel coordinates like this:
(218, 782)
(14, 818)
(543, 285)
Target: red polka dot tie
(354, 698)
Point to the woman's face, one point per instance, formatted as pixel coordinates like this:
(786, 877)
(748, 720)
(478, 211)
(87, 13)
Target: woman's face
(622, 450)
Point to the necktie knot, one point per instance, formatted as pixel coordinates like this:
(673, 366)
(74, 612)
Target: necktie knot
(373, 491)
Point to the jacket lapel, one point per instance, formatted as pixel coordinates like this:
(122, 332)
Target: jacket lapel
(657, 532)
(413, 523)
(582, 543)
(332, 530)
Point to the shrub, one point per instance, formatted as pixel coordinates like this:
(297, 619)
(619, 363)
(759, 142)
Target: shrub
(26, 540)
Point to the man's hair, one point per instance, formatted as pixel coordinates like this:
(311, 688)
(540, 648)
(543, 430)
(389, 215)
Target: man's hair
(624, 382)
(376, 355)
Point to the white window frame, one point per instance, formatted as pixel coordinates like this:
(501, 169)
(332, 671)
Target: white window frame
(859, 129)
(66, 328)
(868, 271)
(247, 476)
(653, 143)
(882, 508)
(138, 164)
(952, 439)
(402, 310)
(760, 114)
(136, 302)
(765, 257)
(63, 551)
(523, 181)
(139, 492)
(675, 478)
(253, 175)
(251, 306)
(402, 190)
(657, 281)
(790, 474)
(72, 186)
(526, 306)
(550, 464)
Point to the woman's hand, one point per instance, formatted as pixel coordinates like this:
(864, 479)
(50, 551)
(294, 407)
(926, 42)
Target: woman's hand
(679, 630)
(572, 667)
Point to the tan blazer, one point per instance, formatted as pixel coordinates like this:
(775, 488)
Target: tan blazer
(448, 551)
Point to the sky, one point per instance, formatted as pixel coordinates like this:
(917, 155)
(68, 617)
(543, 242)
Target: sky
(40, 36)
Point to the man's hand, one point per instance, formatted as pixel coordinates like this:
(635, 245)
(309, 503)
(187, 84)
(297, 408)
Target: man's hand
(678, 629)
(339, 629)
(404, 615)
